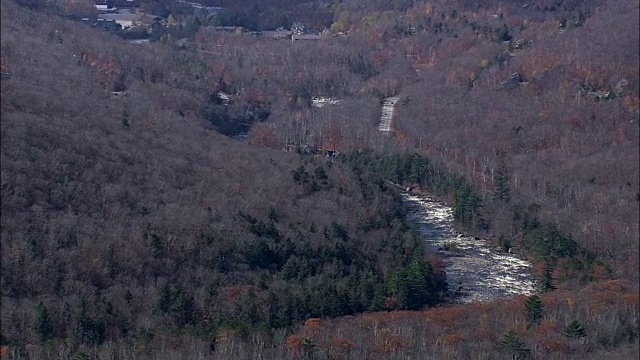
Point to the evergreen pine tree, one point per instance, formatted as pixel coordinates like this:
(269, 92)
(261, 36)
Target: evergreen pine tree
(575, 330)
(474, 203)
(458, 204)
(43, 324)
(419, 284)
(88, 330)
(124, 119)
(249, 310)
(501, 191)
(512, 345)
(534, 309)
(417, 169)
(164, 301)
(465, 204)
(546, 281)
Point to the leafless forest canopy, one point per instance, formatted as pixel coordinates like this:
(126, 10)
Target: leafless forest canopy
(137, 223)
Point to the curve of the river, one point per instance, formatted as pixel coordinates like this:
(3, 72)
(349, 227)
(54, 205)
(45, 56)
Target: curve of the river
(476, 272)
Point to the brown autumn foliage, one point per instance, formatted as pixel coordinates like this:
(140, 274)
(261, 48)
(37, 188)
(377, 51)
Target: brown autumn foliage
(132, 220)
(100, 192)
(559, 167)
(475, 330)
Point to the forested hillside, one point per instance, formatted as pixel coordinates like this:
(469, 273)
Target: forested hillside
(190, 199)
(128, 217)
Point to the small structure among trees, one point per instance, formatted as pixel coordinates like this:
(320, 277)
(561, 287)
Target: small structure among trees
(513, 81)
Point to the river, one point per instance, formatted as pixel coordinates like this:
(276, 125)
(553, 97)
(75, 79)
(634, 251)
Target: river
(476, 271)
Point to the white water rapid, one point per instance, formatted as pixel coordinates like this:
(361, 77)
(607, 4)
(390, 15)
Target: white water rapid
(476, 271)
